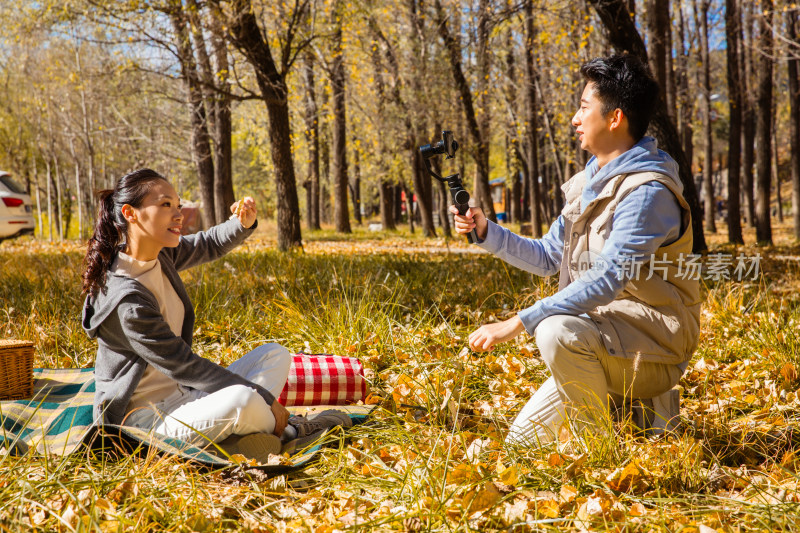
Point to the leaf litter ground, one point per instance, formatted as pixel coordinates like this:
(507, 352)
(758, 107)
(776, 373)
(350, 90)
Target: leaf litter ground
(432, 456)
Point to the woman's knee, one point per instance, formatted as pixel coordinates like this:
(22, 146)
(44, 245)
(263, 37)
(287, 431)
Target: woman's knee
(252, 413)
(240, 398)
(270, 350)
(276, 353)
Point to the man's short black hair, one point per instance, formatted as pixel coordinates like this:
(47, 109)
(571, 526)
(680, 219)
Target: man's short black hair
(624, 82)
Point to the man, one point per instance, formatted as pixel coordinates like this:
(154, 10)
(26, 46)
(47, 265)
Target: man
(625, 320)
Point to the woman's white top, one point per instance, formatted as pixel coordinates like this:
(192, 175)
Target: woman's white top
(154, 385)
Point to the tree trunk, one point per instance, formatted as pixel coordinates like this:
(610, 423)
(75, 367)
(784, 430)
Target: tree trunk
(709, 202)
(59, 199)
(776, 177)
(658, 29)
(481, 145)
(793, 66)
(516, 186)
(561, 175)
(409, 205)
(512, 123)
(49, 200)
(312, 140)
(732, 32)
(206, 84)
(483, 106)
(532, 122)
(341, 214)
(748, 117)
(423, 188)
(510, 163)
(246, 36)
(35, 172)
(223, 129)
(325, 195)
(624, 36)
(415, 126)
(386, 193)
(201, 141)
(64, 211)
(88, 143)
(685, 97)
(355, 192)
(764, 125)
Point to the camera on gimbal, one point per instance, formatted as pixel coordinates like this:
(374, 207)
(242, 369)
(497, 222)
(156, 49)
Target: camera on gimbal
(458, 193)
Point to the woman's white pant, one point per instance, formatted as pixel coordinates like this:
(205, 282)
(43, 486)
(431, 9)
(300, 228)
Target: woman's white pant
(198, 417)
(583, 376)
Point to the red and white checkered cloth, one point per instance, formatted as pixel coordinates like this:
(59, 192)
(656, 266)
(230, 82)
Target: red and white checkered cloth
(324, 380)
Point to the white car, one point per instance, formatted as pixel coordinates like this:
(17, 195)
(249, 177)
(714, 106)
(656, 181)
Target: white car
(16, 209)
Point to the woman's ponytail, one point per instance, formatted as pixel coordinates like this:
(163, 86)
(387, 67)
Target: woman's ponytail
(111, 229)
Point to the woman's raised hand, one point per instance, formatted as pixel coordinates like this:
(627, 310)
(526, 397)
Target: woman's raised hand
(245, 211)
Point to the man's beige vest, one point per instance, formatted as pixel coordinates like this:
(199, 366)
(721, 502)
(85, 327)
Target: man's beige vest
(658, 318)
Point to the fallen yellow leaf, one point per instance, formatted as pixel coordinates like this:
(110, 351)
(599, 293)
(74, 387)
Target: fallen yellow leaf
(568, 493)
(637, 509)
(464, 473)
(510, 476)
(789, 372)
(483, 498)
(632, 477)
(547, 508)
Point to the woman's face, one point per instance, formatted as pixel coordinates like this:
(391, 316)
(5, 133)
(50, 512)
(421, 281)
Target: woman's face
(156, 223)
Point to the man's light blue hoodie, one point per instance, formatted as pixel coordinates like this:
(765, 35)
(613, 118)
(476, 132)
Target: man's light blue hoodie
(648, 218)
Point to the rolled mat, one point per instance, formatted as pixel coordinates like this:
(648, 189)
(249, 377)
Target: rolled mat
(323, 379)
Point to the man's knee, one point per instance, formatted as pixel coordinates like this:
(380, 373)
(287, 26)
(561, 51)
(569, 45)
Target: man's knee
(558, 336)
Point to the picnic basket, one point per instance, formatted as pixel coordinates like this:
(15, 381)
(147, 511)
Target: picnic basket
(16, 369)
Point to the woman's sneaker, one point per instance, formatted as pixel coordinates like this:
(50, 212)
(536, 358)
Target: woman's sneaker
(306, 427)
(308, 430)
(258, 446)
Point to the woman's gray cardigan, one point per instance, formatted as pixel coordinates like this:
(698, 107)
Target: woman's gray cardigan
(131, 332)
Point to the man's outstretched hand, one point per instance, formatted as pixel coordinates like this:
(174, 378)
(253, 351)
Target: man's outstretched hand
(473, 218)
(487, 336)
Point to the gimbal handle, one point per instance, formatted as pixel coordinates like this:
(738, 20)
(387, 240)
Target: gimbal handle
(472, 236)
(458, 193)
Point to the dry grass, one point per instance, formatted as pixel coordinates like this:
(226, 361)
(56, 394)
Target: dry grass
(432, 457)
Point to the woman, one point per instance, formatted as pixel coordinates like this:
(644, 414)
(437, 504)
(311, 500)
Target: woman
(137, 307)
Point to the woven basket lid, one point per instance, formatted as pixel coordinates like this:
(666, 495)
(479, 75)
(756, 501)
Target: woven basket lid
(14, 343)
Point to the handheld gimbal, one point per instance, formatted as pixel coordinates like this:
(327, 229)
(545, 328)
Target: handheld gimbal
(448, 146)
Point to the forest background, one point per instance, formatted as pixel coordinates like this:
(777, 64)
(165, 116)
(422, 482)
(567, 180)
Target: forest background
(317, 108)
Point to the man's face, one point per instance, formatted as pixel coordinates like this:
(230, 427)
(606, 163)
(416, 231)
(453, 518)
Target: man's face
(591, 124)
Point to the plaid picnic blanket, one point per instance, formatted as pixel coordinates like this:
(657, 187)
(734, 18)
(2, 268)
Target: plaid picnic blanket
(58, 420)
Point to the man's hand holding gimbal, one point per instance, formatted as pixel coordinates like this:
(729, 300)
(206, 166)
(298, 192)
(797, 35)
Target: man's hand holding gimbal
(473, 218)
